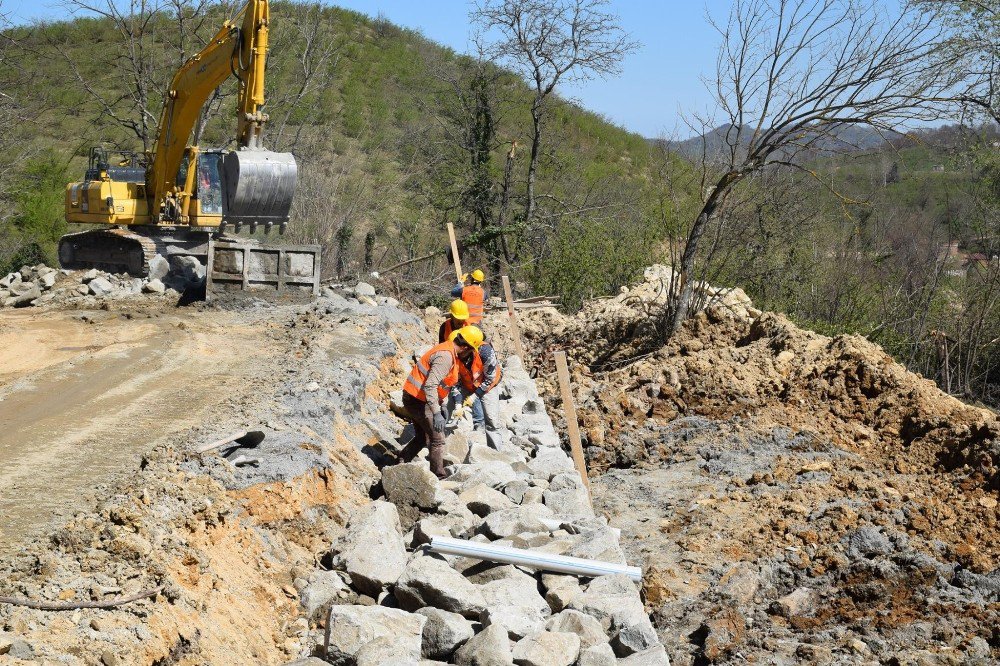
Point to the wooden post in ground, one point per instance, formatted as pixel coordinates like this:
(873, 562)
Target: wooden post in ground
(454, 251)
(572, 426)
(515, 328)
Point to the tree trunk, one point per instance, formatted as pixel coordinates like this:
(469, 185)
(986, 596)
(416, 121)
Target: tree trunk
(508, 175)
(536, 146)
(708, 210)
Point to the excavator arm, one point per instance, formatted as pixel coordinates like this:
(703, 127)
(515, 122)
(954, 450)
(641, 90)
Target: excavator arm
(239, 49)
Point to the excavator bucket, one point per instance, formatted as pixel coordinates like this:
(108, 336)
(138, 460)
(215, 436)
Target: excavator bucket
(258, 185)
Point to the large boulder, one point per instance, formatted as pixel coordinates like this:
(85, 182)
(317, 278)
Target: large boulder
(567, 496)
(100, 286)
(158, 268)
(483, 500)
(410, 484)
(600, 543)
(508, 522)
(560, 590)
(550, 461)
(490, 647)
(492, 473)
(547, 649)
(322, 589)
(412, 487)
(371, 549)
(513, 601)
(589, 629)
(26, 297)
(429, 581)
(478, 453)
(387, 651)
(598, 655)
(614, 600)
(351, 628)
(444, 632)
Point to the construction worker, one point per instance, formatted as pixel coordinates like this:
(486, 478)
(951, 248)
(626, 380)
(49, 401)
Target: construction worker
(426, 388)
(478, 382)
(473, 294)
(458, 316)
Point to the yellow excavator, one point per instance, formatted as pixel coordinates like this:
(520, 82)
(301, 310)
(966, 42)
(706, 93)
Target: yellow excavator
(180, 200)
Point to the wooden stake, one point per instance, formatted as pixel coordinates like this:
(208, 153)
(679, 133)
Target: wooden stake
(572, 426)
(515, 328)
(454, 251)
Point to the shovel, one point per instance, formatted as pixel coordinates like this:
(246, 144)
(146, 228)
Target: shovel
(244, 439)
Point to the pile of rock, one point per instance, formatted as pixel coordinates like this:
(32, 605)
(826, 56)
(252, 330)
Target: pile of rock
(41, 284)
(388, 599)
(362, 292)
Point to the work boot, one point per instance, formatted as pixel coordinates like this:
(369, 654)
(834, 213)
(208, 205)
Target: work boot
(436, 458)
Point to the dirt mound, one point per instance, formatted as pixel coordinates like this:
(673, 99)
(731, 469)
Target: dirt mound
(734, 361)
(793, 497)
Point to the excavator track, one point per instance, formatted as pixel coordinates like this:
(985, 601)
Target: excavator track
(109, 250)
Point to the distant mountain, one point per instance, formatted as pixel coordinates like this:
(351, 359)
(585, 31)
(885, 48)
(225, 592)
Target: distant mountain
(718, 142)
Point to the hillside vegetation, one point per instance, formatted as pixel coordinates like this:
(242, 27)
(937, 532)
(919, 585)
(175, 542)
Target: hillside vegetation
(377, 117)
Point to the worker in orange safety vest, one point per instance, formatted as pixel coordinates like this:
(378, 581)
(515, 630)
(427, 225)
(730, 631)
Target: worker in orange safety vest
(479, 381)
(473, 294)
(458, 316)
(426, 389)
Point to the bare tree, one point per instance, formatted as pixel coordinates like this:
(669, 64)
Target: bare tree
(309, 35)
(141, 66)
(972, 45)
(549, 42)
(794, 76)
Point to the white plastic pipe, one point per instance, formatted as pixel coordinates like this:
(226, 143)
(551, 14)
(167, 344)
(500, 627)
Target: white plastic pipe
(532, 559)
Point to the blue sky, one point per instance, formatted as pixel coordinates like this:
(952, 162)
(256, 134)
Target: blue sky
(658, 81)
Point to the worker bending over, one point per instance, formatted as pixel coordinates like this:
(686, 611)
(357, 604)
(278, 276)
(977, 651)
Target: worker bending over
(473, 294)
(479, 380)
(458, 316)
(426, 388)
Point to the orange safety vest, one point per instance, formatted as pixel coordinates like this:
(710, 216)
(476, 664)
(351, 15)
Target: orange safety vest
(414, 384)
(472, 378)
(474, 296)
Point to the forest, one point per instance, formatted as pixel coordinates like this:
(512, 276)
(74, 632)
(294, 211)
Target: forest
(854, 188)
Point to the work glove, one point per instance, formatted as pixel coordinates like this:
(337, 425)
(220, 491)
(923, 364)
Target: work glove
(438, 422)
(468, 401)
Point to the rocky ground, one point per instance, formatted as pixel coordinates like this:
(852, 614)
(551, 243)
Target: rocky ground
(793, 498)
(309, 550)
(40, 285)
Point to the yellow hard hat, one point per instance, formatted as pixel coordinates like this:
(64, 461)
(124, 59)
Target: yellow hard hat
(459, 309)
(473, 335)
(478, 275)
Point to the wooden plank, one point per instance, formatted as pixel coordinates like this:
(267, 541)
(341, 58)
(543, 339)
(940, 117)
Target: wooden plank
(454, 252)
(572, 426)
(515, 328)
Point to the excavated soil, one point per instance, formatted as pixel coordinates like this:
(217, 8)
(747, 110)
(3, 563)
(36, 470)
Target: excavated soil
(794, 498)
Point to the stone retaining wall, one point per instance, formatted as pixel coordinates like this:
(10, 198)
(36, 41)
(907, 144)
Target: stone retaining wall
(414, 606)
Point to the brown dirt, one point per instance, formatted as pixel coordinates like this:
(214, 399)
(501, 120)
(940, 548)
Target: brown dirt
(84, 391)
(862, 442)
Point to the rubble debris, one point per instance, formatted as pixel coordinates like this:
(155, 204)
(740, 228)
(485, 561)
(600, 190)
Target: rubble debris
(41, 284)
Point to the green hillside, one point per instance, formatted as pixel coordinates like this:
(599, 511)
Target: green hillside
(375, 116)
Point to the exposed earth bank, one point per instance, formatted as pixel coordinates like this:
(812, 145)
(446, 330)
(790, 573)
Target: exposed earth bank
(793, 497)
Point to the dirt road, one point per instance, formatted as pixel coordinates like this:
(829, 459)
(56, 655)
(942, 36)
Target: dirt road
(82, 394)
